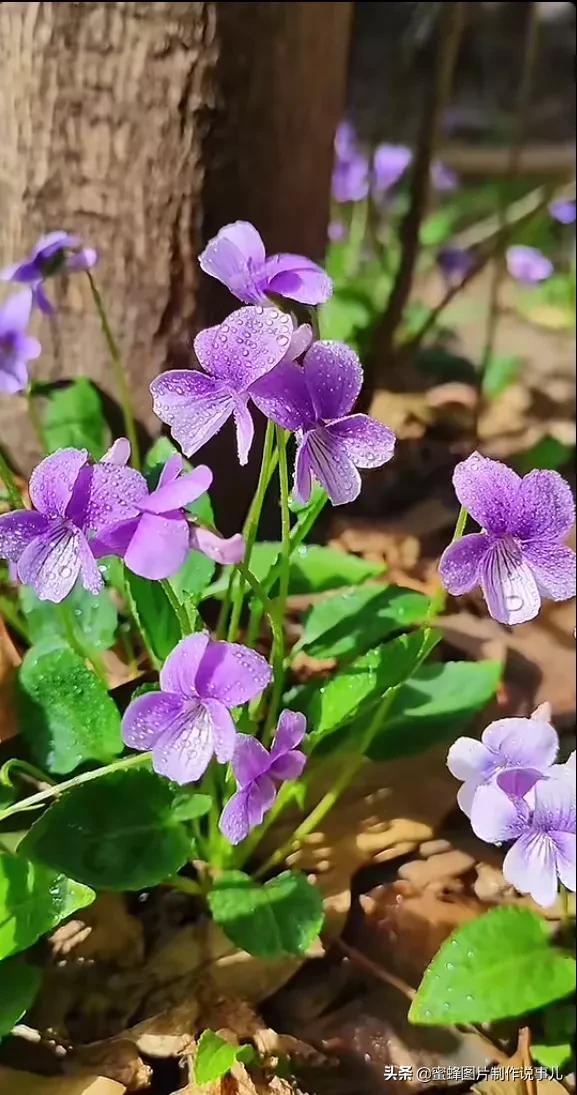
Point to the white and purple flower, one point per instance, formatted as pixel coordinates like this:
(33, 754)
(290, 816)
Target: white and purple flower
(17, 347)
(189, 721)
(519, 557)
(528, 265)
(258, 771)
(315, 400)
(52, 254)
(237, 257)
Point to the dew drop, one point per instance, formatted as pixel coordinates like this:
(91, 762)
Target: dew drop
(446, 1005)
(469, 998)
(450, 966)
(470, 954)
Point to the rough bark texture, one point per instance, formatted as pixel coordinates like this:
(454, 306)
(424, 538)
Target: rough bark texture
(143, 127)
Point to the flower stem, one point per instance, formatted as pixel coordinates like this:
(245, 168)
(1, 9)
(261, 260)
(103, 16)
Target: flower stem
(438, 600)
(41, 797)
(178, 609)
(185, 885)
(119, 372)
(357, 233)
(14, 496)
(278, 648)
(329, 800)
(236, 588)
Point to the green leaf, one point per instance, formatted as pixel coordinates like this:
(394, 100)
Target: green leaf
(154, 613)
(95, 618)
(434, 705)
(316, 569)
(497, 966)
(438, 226)
(188, 805)
(215, 1057)
(500, 372)
(554, 1048)
(548, 454)
(356, 689)
(73, 417)
(66, 714)
(347, 315)
(117, 833)
(195, 574)
(20, 984)
(349, 623)
(33, 900)
(282, 917)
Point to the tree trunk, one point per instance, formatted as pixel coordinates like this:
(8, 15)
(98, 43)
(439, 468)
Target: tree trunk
(143, 127)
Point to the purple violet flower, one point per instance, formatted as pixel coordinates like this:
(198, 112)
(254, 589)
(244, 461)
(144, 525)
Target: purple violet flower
(515, 753)
(51, 255)
(390, 162)
(337, 231)
(455, 263)
(156, 542)
(237, 257)
(16, 347)
(528, 265)
(346, 140)
(257, 771)
(543, 829)
(72, 499)
(563, 210)
(443, 178)
(350, 180)
(189, 720)
(315, 400)
(519, 557)
(233, 356)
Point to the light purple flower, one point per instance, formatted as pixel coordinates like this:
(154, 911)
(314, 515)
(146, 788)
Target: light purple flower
(455, 263)
(233, 356)
(520, 556)
(563, 210)
(337, 231)
(52, 254)
(157, 541)
(72, 499)
(543, 829)
(257, 771)
(346, 140)
(315, 400)
(16, 347)
(237, 257)
(528, 265)
(443, 178)
(513, 752)
(189, 720)
(350, 181)
(390, 162)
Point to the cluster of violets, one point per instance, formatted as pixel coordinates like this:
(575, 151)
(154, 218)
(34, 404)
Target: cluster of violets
(261, 357)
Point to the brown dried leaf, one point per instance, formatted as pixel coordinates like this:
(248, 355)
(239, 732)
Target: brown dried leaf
(521, 1060)
(26, 1083)
(9, 662)
(104, 932)
(115, 1058)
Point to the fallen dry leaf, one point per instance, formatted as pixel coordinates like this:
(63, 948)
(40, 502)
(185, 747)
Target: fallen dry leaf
(116, 1058)
(9, 662)
(105, 932)
(25, 1083)
(521, 1060)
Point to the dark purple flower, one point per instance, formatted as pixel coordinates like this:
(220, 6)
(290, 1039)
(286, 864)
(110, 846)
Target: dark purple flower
(233, 356)
(51, 255)
(563, 210)
(519, 557)
(72, 500)
(443, 178)
(16, 347)
(315, 400)
(455, 264)
(237, 257)
(542, 825)
(350, 181)
(257, 771)
(390, 162)
(528, 265)
(513, 752)
(189, 720)
(157, 541)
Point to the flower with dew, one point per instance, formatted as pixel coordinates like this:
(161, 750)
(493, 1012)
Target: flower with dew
(563, 210)
(258, 771)
(519, 557)
(237, 257)
(542, 826)
(53, 254)
(390, 161)
(233, 355)
(72, 500)
(515, 753)
(455, 264)
(443, 178)
(17, 347)
(156, 542)
(315, 400)
(528, 265)
(189, 720)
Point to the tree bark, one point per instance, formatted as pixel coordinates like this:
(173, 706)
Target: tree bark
(143, 127)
